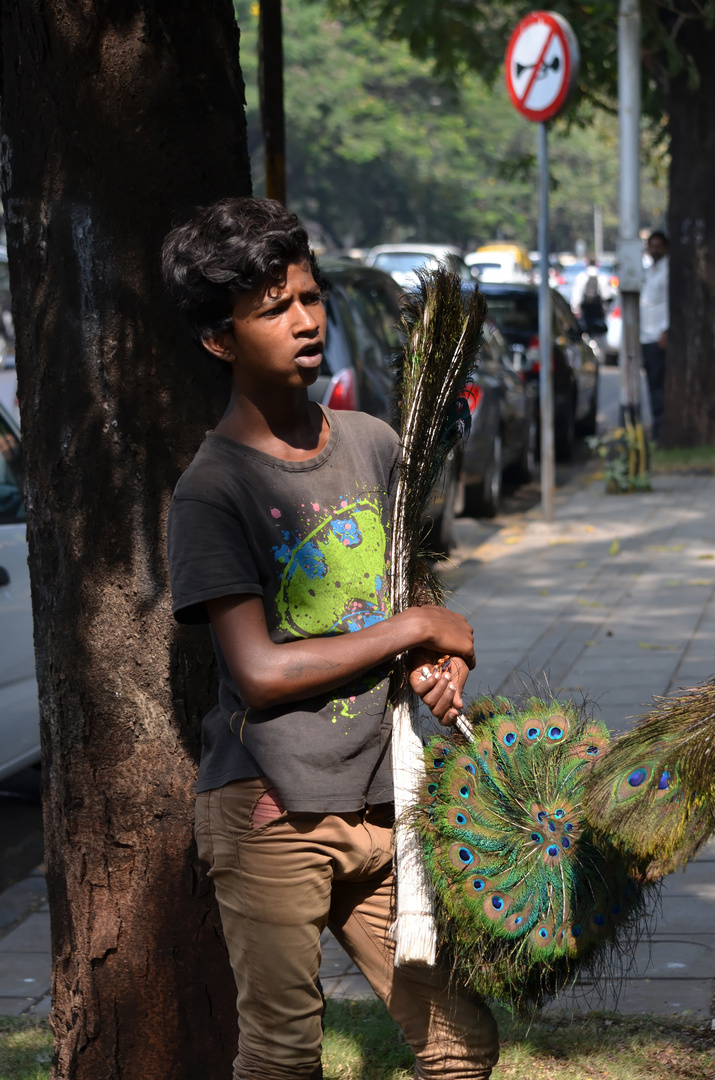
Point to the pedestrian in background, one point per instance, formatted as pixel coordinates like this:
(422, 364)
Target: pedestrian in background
(589, 298)
(655, 320)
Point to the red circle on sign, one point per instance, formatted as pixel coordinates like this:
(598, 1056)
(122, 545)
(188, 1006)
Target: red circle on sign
(567, 45)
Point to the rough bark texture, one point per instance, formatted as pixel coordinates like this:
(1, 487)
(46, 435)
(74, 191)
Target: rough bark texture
(689, 418)
(117, 117)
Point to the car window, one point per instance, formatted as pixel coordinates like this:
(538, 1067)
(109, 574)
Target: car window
(515, 313)
(12, 506)
(403, 262)
(564, 323)
(338, 353)
(377, 323)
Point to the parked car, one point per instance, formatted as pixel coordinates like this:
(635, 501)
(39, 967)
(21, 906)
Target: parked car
(500, 262)
(515, 310)
(402, 260)
(504, 434)
(19, 714)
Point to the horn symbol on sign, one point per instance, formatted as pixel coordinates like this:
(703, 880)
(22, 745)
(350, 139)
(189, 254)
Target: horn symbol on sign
(553, 65)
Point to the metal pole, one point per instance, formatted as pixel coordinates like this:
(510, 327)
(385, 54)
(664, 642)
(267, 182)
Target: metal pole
(270, 85)
(546, 381)
(630, 269)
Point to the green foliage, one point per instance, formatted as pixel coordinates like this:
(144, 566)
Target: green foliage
(461, 35)
(625, 456)
(381, 149)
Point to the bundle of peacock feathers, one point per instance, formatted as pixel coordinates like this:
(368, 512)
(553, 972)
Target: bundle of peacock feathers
(527, 893)
(442, 333)
(653, 795)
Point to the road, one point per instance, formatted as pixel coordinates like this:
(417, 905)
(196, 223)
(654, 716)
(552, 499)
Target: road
(20, 814)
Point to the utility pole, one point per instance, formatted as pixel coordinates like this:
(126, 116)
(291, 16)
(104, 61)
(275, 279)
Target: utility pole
(270, 87)
(630, 265)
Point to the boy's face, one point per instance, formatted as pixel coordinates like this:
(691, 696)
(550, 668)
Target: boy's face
(278, 334)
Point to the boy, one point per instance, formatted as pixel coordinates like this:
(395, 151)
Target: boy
(279, 537)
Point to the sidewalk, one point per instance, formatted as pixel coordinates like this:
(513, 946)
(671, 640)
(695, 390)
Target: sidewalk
(615, 601)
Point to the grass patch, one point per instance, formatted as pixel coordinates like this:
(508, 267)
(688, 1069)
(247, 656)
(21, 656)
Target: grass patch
(362, 1043)
(25, 1048)
(683, 459)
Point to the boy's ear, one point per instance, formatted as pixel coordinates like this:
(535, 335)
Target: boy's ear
(222, 346)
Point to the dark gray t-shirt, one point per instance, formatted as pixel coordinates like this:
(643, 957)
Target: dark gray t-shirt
(312, 538)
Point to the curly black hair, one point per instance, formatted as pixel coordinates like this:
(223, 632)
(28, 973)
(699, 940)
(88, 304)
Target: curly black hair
(234, 246)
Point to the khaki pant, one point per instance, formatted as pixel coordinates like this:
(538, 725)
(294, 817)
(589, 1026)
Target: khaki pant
(278, 886)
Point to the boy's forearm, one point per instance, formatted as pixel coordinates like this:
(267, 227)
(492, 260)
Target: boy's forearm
(301, 669)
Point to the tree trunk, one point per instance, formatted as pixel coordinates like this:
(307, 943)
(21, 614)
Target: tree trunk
(689, 418)
(116, 120)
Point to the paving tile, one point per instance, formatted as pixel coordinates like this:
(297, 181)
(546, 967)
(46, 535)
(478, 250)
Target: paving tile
(24, 974)
(661, 997)
(25, 894)
(351, 987)
(14, 1006)
(43, 1008)
(31, 936)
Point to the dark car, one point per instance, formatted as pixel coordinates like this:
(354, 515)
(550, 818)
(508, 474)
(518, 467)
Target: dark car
(363, 337)
(515, 310)
(503, 437)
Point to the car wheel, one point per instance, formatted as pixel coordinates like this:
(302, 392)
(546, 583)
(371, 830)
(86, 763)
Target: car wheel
(565, 434)
(482, 500)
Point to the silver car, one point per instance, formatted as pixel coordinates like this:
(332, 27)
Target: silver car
(19, 714)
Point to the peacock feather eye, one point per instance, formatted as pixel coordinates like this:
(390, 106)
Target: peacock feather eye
(664, 782)
(552, 850)
(471, 768)
(497, 903)
(559, 813)
(461, 856)
(638, 777)
(432, 789)
(555, 733)
(478, 884)
(537, 838)
(552, 826)
(465, 791)
(565, 843)
(568, 827)
(438, 763)
(599, 919)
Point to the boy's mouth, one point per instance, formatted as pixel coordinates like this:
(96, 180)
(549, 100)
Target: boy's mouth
(311, 355)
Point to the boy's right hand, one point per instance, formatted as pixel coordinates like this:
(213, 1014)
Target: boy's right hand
(445, 632)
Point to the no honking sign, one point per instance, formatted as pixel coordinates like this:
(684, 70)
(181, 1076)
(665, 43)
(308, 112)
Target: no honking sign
(541, 68)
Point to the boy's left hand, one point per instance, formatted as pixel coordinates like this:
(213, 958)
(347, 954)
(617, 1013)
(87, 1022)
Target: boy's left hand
(439, 682)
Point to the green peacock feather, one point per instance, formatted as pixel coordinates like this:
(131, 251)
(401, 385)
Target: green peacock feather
(653, 794)
(442, 331)
(527, 893)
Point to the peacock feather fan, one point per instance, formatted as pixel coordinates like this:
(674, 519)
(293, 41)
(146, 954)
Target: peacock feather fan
(526, 893)
(653, 794)
(442, 327)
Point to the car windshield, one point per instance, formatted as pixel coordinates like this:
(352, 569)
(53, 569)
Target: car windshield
(515, 313)
(402, 262)
(488, 265)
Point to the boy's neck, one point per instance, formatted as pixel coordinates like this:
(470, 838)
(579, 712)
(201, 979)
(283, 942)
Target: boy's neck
(285, 425)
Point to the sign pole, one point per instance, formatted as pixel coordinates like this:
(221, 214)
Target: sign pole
(546, 379)
(541, 70)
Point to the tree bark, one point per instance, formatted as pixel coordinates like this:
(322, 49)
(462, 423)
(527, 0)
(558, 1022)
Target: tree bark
(118, 119)
(689, 418)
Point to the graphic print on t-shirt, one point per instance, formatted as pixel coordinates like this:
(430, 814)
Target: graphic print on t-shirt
(334, 575)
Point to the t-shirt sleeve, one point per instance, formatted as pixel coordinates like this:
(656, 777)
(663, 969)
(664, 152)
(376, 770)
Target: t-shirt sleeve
(209, 557)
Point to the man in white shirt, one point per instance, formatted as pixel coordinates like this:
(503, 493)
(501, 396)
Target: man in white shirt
(655, 320)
